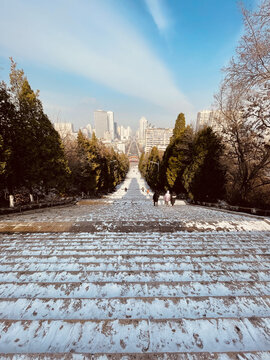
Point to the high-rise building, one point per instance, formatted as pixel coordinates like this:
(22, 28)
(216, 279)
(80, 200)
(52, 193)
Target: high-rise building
(65, 130)
(208, 118)
(84, 132)
(116, 135)
(128, 132)
(89, 128)
(87, 131)
(104, 125)
(111, 124)
(124, 133)
(101, 123)
(158, 137)
(143, 125)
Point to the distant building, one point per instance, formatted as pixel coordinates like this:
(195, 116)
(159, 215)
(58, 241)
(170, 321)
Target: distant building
(101, 123)
(104, 125)
(143, 125)
(208, 118)
(121, 147)
(158, 137)
(85, 132)
(116, 135)
(89, 129)
(124, 133)
(110, 116)
(65, 130)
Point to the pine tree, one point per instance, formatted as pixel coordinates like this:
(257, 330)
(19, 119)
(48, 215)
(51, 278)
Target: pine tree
(204, 177)
(100, 169)
(7, 118)
(152, 169)
(175, 160)
(143, 163)
(179, 127)
(37, 158)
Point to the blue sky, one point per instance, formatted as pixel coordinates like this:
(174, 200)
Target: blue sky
(152, 58)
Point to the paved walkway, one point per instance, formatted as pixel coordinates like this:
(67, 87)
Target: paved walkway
(130, 211)
(118, 278)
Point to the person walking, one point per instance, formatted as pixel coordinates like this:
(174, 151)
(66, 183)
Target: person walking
(167, 198)
(173, 198)
(155, 198)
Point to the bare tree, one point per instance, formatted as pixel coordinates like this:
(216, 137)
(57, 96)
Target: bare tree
(257, 108)
(244, 107)
(251, 65)
(247, 153)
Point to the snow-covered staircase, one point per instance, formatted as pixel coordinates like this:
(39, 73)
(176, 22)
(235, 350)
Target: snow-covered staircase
(147, 295)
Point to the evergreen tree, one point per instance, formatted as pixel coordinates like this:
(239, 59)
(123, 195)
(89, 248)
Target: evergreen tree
(123, 166)
(143, 163)
(204, 177)
(100, 169)
(33, 156)
(179, 127)
(88, 172)
(7, 118)
(152, 169)
(4, 155)
(175, 160)
(36, 154)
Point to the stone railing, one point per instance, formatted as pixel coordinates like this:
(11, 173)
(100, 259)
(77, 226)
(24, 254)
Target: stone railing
(33, 206)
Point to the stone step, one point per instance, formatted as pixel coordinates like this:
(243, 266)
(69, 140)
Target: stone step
(127, 276)
(29, 239)
(78, 249)
(132, 295)
(129, 225)
(135, 336)
(135, 308)
(239, 355)
(132, 289)
(32, 238)
(254, 355)
(130, 265)
(116, 246)
(237, 237)
(248, 233)
(141, 251)
(150, 237)
(143, 257)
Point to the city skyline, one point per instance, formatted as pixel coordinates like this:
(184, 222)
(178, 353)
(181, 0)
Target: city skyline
(149, 58)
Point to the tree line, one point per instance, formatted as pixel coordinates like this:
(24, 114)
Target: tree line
(33, 158)
(199, 166)
(234, 163)
(191, 164)
(94, 168)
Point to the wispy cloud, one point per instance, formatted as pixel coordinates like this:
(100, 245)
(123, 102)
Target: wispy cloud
(68, 107)
(92, 40)
(157, 10)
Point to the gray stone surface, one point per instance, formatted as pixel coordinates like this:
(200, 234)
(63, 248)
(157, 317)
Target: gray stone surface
(118, 278)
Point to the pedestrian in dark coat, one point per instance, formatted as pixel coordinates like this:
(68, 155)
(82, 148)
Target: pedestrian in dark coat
(173, 198)
(155, 198)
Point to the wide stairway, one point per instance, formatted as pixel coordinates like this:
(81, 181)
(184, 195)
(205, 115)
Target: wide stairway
(135, 295)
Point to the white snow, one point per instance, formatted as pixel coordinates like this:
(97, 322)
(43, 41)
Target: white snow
(200, 292)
